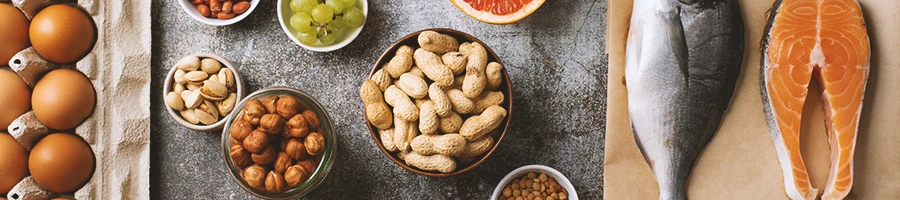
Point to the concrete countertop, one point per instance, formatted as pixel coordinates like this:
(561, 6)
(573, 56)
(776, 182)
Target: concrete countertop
(554, 58)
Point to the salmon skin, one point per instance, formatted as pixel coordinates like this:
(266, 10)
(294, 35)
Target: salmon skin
(683, 59)
(825, 39)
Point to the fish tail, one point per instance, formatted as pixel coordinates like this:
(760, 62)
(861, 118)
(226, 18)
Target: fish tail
(672, 195)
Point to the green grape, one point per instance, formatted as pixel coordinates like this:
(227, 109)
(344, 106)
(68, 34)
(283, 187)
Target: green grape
(295, 6)
(303, 5)
(336, 5)
(353, 17)
(328, 39)
(338, 23)
(348, 3)
(308, 37)
(331, 28)
(322, 13)
(301, 21)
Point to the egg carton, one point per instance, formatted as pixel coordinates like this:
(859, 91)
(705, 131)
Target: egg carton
(118, 130)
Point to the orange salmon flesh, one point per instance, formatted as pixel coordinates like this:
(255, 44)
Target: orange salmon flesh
(825, 39)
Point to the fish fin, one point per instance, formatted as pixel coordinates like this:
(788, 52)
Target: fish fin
(675, 47)
(680, 47)
(641, 148)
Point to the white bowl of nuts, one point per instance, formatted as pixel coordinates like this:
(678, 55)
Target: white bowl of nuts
(533, 182)
(279, 143)
(201, 90)
(218, 12)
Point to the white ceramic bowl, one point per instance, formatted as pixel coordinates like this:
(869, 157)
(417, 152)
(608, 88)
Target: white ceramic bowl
(284, 17)
(170, 82)
(191, 10)
(521, 171)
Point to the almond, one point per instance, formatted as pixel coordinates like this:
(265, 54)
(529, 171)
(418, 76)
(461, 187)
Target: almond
(240, 7)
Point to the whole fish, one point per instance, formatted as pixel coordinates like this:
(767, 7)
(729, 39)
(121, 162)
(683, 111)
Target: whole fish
(683, 58)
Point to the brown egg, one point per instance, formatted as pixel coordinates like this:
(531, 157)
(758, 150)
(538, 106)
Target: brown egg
(62, 33)
(63, 99)
(15, 97)
(13, 162)
(13, 32)
(61, 162)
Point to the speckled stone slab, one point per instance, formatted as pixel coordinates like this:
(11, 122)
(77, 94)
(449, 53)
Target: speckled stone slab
(555, 60)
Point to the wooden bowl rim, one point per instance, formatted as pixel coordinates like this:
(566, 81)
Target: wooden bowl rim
(508, 101)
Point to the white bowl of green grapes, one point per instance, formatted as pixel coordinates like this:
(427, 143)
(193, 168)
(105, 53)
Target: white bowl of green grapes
(322, 25)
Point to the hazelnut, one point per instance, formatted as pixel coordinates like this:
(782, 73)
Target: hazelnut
(269, 103)
(240, 129)
(288, 106)
(311, 119)
(309, 164)
(235, 142)
(283, 162)
(266, 156)
(315, 144)
(256, 142)
(255, 176)
(295, 175)
(253, 110)
(284, 143)
(240, 156)
(275, 182)
(271, 124)
(298, 126)
(296, 149)
(286, 132)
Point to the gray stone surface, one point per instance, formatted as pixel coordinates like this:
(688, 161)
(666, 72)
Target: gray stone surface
(555, 60)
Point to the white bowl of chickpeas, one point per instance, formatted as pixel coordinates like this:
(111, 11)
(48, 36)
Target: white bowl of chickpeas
(537, 182)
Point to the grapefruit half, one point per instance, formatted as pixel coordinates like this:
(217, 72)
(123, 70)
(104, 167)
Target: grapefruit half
(498, 11)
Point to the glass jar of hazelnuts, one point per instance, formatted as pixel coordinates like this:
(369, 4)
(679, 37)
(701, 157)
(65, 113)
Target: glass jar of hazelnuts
(280, 144)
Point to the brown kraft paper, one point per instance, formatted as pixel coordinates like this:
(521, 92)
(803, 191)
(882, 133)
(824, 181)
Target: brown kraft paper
(740, 161)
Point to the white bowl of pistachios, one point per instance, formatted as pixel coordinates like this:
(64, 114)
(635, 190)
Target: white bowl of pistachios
(201, 90)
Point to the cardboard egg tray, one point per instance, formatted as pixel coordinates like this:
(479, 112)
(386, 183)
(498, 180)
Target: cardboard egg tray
(118, 130)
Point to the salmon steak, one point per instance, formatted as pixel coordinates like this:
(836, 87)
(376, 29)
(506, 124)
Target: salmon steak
(682, 62)
(825, 40)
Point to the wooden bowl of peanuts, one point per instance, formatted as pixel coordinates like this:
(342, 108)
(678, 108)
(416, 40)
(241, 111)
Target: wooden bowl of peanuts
(438, 102)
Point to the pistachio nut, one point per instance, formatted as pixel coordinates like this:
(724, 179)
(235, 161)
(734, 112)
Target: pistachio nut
(185, 94)
(174, 100)
(221, 78)
(193, 99)
(204, 117)
(178, 88)
(227, 105)
(214, 77)
(210, 66)
(196, 76)
(179, 76)
(226, 76)
(207, 113)
(188, 63)
(191, 86)
(213, 90)
(189, 116)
